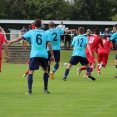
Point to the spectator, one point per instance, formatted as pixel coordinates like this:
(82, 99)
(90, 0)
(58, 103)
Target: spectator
(88, 33)
(23, 31)
(32, 26)
(107, 32)
(43, 27)
(62, 27)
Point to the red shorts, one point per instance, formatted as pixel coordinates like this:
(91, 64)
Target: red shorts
(103, 56)
(91, 59)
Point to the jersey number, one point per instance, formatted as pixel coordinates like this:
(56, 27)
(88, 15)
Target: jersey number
(39, 39)
(80, 39)
(55, 36)
(91, 40)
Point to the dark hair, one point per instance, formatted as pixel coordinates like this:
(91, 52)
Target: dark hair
(115, 25)
(81, 30)
(105, 37)
(97, 31)
(37, 23)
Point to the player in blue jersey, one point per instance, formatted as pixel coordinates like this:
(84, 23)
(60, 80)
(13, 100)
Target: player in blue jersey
(114, 37)
(54, 35)
(39, 40)
(79, 55)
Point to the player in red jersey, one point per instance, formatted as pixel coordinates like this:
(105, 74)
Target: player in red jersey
(103, 53)
(94, 40)
(3, 41)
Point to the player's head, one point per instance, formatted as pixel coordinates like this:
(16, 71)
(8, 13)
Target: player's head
(115, 28)
(24, 27)
(37, 23)
(80, 30)
(97, 31)
(105, 37)
(61, 23)
(51, 24)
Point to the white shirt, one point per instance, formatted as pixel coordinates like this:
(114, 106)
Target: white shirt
(62, 27)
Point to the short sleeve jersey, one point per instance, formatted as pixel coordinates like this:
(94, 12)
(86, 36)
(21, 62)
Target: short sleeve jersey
(38, 39)
(2, 39)
(55, 37)
(114, 37)
(79, 43)
(94, 41)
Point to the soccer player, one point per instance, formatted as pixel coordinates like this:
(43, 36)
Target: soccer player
(39, 39)
(3, 41)
(79, 55)
(114, 37)
(54, 35)
(93, 41)
(103, 54)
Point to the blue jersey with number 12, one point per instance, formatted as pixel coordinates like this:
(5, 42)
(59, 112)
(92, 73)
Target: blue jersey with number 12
(79, 43)
(38, 39)
(55, 37)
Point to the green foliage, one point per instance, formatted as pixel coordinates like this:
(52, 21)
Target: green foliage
(58, 9)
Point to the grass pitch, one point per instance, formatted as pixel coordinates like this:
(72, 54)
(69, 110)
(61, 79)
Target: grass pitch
(77, 97)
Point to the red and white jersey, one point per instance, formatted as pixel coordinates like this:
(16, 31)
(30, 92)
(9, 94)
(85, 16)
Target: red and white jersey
(94, 41)
(107, 45)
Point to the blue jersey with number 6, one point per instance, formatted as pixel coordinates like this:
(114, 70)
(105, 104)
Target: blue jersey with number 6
(38, 39)
(79, 43)
(55, 37)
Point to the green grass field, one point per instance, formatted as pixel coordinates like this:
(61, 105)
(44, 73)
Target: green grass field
(77, 97)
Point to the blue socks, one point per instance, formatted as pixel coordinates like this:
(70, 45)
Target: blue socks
(45, 78)
(66, 73)
(56, 67)
(30, 81)
(89, 71)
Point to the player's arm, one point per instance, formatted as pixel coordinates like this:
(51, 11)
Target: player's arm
(6, 51)
(15, 40)
(51, 51)
(88, 47)
(69, 31)
(116, 61)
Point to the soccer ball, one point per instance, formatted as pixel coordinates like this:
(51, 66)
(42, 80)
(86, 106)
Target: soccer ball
(65, 64)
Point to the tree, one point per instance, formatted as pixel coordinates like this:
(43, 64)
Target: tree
(94, 9)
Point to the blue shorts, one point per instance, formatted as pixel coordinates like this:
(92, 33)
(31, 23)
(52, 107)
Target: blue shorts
(76, 59)
(36, 61)
(56, 55)
(49, 55)
(116, 56)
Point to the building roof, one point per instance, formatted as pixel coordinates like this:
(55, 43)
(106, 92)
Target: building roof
(4, 21)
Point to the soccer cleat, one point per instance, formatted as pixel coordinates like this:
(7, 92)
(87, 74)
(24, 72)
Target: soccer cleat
(28, 93)
(24, 76)
(51, 75)
(85, 76)
(46, 91)
(99, 73)
(91, 77)
(64, 79)
(78, 71)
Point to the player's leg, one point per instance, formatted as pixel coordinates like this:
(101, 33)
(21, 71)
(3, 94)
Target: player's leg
(116, 64)
(73, 61)
(49, 62)
(92, 61)
(100, 57)
(57, 60)
(84, 62)
(105, 59)
(33, 65)
(44, 63)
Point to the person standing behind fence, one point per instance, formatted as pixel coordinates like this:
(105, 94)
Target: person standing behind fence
(62, 27)
(23, 31)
